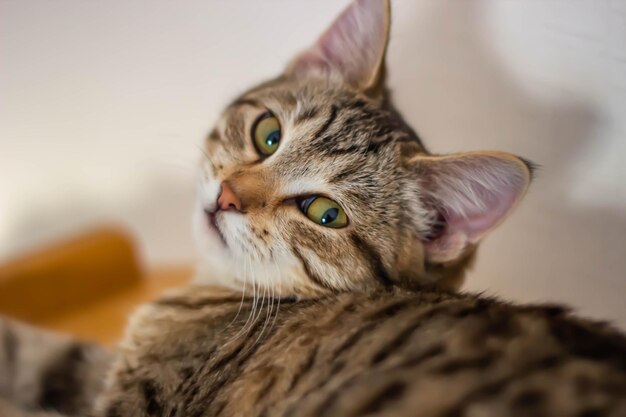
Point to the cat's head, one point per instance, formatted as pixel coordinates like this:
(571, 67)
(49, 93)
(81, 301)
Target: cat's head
(312, 182)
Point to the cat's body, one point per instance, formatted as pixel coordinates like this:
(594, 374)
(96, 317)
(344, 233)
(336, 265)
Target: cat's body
(201, 353)
(384, 353)
(316, 195)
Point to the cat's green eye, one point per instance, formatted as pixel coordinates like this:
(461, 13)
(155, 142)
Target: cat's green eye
(266, 134)
(324, 211)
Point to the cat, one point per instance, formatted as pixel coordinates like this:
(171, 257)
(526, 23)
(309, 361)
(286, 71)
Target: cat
(332, 247)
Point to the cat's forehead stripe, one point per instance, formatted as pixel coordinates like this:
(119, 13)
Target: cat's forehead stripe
(306, 114)
(327, 124)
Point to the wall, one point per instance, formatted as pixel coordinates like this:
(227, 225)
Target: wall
(104, 104)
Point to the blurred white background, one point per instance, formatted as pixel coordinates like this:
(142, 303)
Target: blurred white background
(103, 106)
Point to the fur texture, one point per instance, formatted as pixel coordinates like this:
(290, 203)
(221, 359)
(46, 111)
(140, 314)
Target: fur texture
(319, 321)
(206, 352)
(414, 218)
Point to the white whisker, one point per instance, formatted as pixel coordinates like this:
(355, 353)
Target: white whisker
(270, 308)
(242, 330)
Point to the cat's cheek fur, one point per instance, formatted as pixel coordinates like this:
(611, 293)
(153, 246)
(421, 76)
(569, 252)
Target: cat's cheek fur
(216, 266)
(253, 262)
(236, 231)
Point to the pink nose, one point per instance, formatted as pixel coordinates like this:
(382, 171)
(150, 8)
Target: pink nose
(227, 199)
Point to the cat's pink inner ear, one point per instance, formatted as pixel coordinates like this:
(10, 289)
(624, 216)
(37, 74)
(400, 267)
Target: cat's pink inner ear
(472, 193)
(353, 48)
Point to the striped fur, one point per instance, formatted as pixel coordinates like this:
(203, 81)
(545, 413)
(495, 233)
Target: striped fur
(321, 322)
(414, 218)
(384, 353)
(205, 351)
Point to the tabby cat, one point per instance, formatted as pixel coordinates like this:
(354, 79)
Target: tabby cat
(332, 244)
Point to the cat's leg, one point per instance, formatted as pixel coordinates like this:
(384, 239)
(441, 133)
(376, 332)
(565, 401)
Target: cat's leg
(41, 370)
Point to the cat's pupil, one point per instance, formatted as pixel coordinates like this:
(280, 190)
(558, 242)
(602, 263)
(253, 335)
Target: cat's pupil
(273, 138)
(330, 215)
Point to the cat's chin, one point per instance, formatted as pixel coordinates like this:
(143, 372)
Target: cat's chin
(218, 265)
(214, 274)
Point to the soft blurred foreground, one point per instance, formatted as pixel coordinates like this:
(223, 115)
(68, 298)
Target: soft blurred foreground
(87, 285)
(104, 106)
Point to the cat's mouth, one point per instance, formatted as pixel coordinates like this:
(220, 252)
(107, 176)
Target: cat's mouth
(212, 222)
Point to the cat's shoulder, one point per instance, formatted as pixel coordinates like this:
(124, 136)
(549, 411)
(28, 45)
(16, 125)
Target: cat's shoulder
(177, 314)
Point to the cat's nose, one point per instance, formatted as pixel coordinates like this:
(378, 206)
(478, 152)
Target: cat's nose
(228, 200)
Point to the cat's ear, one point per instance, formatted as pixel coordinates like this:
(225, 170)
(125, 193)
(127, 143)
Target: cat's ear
(352, 49)
(471, 193)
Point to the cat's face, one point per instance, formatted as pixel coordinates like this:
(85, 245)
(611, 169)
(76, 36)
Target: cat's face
(323, 205)
(313, 183)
